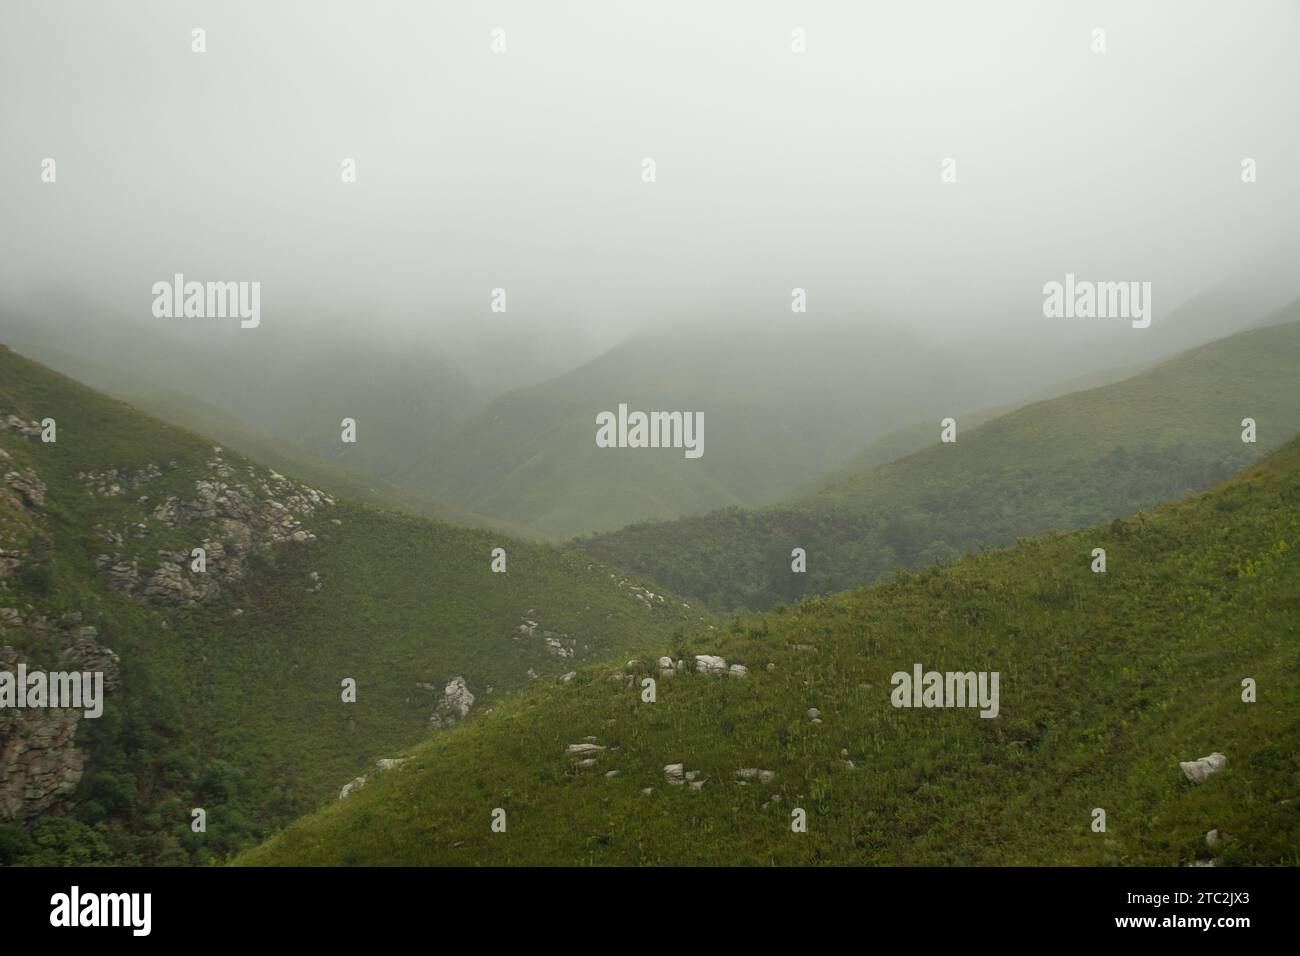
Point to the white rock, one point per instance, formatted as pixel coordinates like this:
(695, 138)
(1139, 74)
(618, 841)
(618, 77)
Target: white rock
(709, 664)
(391, 763)
(1197, 771)
(585, 748)
(738, 670)
(665, 663)
(1213, 840)
(697, 785)
(356, 784)
(674, 773)
(456, 695)
(814, 713)
(568, 677)
(610, 775)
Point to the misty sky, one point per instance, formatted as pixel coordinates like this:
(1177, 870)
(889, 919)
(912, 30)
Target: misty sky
(523, 169)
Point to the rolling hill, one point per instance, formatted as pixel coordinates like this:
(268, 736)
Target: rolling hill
(1063, 463)
(227, 682)
(1108, 682)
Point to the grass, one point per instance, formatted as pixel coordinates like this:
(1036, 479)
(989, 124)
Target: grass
(1107, 682)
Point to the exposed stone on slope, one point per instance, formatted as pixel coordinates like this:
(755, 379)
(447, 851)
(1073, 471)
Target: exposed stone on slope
(710, 664)
(355, 784)
(27, 429)
(1199, 770)
(240, 521)
(30, 489)
(454, 705)
(40, 763)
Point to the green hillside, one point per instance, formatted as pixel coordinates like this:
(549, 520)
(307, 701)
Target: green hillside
(912, 438)
(336, 477)
(230, 692)
(1063, 463)
(1107, 682)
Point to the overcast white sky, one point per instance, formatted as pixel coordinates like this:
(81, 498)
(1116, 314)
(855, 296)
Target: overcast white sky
(522, 169)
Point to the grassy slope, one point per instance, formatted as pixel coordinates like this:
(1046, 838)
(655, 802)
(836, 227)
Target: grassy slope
(1108, 680)
(255, 698)
(335, 477)
(1063, 463)
(912, 438)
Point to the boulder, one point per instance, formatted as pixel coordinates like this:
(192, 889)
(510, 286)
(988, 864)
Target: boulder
(351, 786)
(709, 664)
(1199, 770)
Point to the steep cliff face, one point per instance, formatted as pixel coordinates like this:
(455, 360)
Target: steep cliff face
(40, 762)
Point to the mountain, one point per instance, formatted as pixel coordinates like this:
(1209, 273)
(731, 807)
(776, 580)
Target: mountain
(779, 408)
(474, 424)
(225, 682)
(1107, 682)
(1063, 463)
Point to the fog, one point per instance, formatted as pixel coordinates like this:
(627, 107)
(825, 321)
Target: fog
(522, 169)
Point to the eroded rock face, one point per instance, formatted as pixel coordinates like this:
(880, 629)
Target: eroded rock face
(40, 763)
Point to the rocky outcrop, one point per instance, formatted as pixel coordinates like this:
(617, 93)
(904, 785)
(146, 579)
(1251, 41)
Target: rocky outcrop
(240, 515)
(454, 705)
(27, 429)
(40, 762)
(714, 665)
(29, 489)
(557, 644)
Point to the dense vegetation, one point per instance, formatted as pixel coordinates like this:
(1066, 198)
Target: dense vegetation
(1108, 681)
(234, 705)
(1058, 464)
